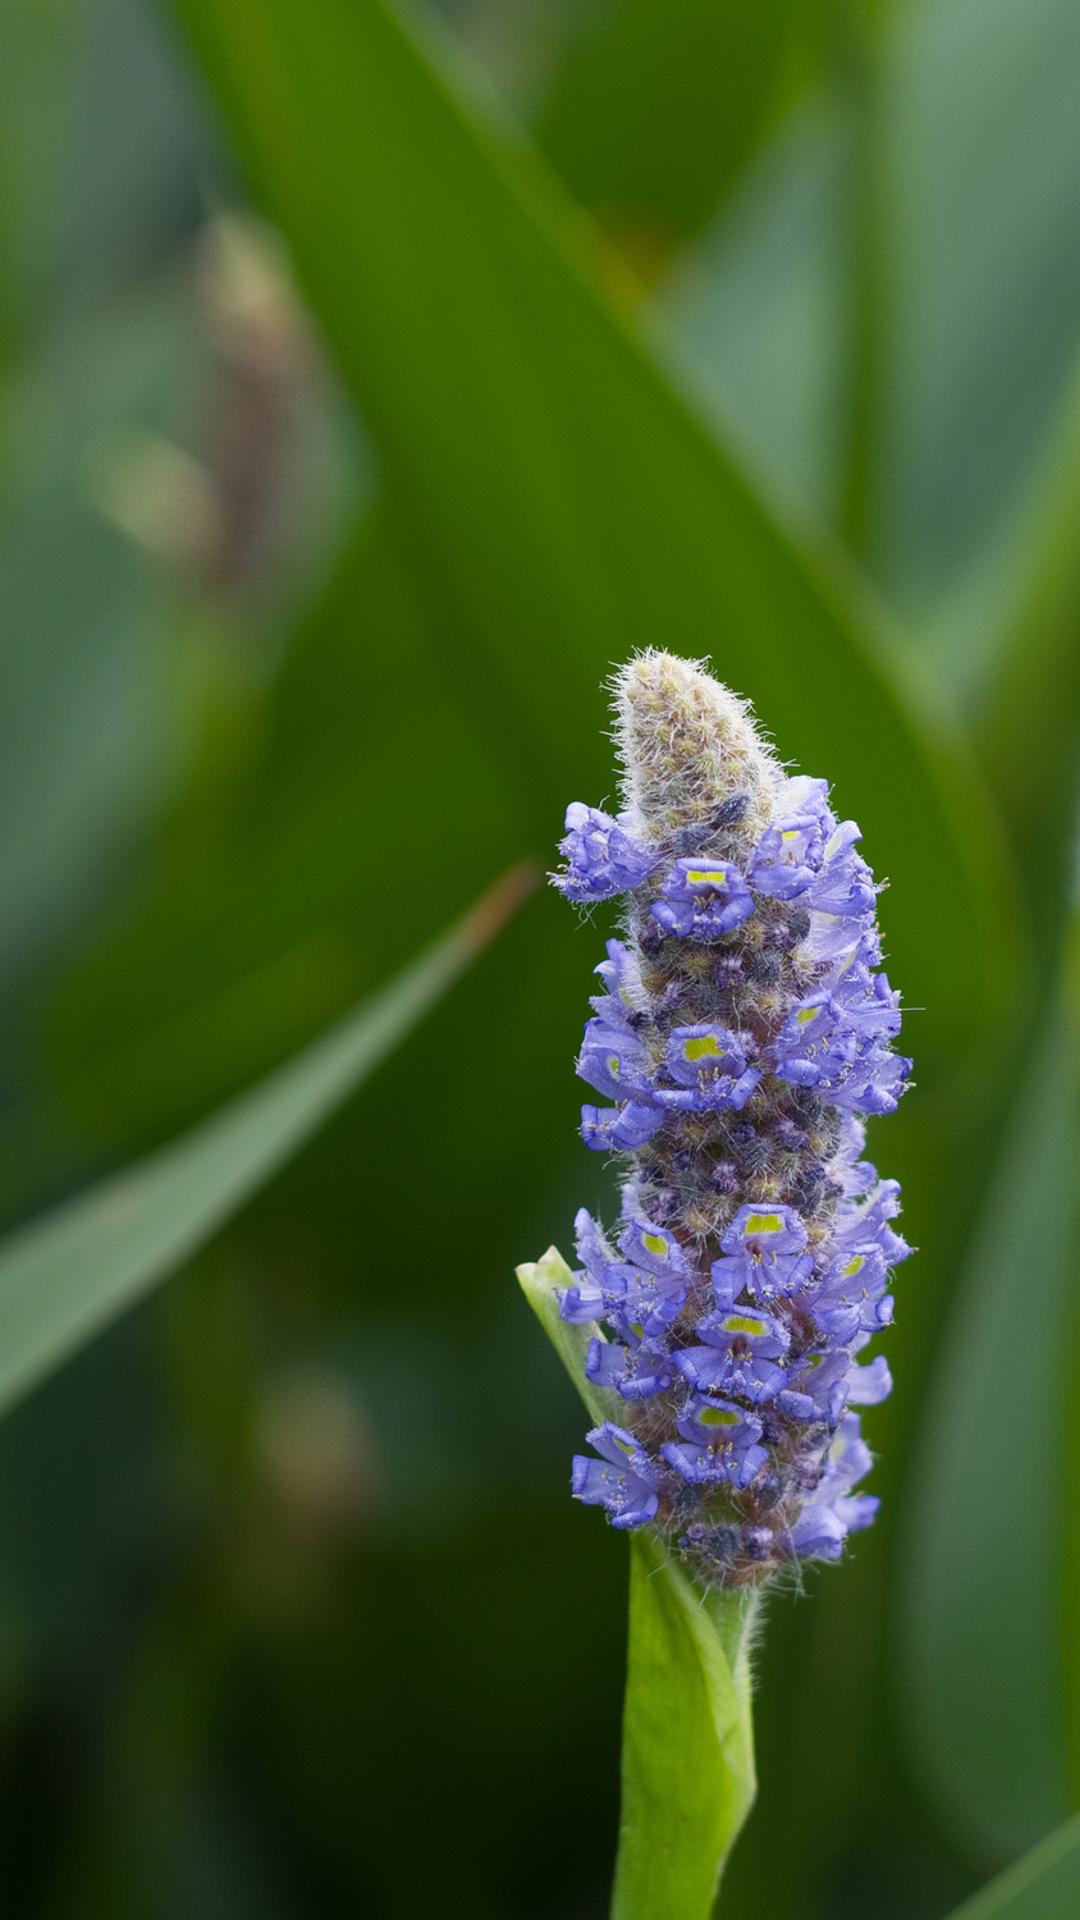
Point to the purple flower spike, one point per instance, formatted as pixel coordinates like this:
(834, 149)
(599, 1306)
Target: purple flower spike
(743, 1033)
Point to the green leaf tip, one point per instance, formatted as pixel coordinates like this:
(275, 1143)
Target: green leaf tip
(540, 1281)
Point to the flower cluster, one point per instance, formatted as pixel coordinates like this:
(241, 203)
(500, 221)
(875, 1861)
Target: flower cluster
(742, 1034)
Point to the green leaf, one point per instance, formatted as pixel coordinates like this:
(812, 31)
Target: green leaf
(555, 493)
(688, 1756)
(654, 110)
(539, 1282)
(990, 1492)
(980, 112)
(65, 1277)
(973, 107)
(1027, 704)
(1045, 1885)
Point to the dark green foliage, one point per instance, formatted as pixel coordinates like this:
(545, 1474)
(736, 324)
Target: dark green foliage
(295, 1615)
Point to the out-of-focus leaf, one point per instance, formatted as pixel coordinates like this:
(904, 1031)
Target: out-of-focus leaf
(654, 109)
(88, 195)
(760, 302)
(560, 499)
(63, 1278)
(977, 151)
(1045, 1885)
(278, 890)
(688, 1747)
(91, 721)
(990, 1491)
(1027, 711)
(984, 153)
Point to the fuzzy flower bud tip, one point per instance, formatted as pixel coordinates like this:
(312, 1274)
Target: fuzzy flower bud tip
(742, 1034)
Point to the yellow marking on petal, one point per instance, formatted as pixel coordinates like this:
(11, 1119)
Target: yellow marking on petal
(764, 1223)
(707, 877)
(854, 1266)
(704, 1045)
(717, 1417)
(741, 1323)
(613, 1065)
(655, 1243)
(638, 1329)
(806, 1014)
(790, 833)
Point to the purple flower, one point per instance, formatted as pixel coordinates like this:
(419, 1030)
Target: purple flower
(851, 1297)
(612, 1060)
(602, 857)
(710, 1067)
(654, 1249)
(845, 885)
(619, 1129)
(637, 1368)
(868, 1386)
(832, 1512)
(764, 1256)
(622, 986)
(738, 1357)
(718, 1440)
(871, 1084)
(623, 1480)
(788, 857)
(703, 900)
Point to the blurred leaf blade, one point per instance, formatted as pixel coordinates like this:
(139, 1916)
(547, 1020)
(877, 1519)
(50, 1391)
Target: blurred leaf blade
(1027, 718)
(447, 286)
(989, 1486)
(64, 1277)
(972, 141)
(1045, 1885)
(654, 110)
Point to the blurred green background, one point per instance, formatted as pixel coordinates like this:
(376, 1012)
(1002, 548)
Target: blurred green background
(372, 379)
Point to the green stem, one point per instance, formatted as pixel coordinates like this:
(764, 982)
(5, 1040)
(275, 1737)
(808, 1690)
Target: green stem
(688, 1746)
(688, 1756)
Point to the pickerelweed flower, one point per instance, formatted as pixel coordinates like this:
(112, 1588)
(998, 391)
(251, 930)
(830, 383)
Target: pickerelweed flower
(742, 1034)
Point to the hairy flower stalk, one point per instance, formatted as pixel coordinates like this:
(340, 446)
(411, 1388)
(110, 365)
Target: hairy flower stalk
(742, 1033)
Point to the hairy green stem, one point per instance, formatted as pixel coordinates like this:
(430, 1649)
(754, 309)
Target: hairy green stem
(688, 1754)
(688, 1747)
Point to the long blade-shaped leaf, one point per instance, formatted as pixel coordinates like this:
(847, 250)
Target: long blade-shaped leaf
(562, 501)
(63, 1278)
(990, 1495)
(1044, 1885)
(653, 110)
(1028, 719)
(688, 1751)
